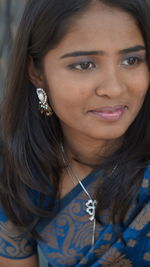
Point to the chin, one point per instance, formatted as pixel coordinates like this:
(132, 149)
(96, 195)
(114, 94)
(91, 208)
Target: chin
(110, 134)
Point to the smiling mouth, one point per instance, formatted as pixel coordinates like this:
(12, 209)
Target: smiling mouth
(109, 113)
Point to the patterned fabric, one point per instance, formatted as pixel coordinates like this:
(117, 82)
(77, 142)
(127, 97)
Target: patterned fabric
(68, 235)
(13, 244)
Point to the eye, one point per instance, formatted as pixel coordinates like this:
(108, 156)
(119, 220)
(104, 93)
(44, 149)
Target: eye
(132, 61)
(83, 66)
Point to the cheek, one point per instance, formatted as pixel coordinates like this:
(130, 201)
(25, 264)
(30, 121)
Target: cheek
(139, 86)
(68, 93)
(66, 98)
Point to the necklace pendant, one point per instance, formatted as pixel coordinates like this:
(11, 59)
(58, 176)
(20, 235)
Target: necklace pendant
(91, 206)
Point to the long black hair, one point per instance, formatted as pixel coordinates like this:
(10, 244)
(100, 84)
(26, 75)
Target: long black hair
(30, 142)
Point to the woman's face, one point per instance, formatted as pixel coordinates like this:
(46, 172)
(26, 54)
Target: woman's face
(97, 77)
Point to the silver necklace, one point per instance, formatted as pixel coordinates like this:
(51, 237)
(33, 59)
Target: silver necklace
(90, 205)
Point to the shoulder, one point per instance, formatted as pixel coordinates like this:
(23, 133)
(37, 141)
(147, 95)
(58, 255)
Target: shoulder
(145, 187)
(147, 172)
(14, 243)
(146, 179)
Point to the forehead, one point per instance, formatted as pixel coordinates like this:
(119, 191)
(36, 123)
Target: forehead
(101, 27)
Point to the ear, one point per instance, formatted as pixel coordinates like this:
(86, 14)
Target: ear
(34, 75)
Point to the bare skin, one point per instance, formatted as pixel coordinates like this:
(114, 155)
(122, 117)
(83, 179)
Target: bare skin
(95, 96)
(29, 262)
(98, 95)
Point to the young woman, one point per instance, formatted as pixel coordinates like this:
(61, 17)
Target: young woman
(75, 147)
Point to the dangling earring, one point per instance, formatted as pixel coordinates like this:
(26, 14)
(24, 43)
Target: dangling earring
(43, 104)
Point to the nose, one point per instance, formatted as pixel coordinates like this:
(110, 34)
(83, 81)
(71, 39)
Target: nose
(111, 84)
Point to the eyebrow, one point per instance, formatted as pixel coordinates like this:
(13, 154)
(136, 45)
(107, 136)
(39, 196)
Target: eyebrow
(99, 52)
(132, 49)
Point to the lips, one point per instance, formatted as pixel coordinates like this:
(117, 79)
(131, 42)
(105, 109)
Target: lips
(109, 113)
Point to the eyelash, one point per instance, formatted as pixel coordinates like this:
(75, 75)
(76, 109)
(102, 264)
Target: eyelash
(89, 65)
(77, 66)
(138, 60)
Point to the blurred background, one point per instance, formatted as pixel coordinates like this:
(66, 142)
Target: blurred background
(10, 15)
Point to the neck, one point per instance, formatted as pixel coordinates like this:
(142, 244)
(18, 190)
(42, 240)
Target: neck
(88, 151)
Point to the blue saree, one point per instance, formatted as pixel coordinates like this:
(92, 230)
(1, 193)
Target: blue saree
(68, 235)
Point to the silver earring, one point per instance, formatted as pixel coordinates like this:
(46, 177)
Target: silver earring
(43, 103)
